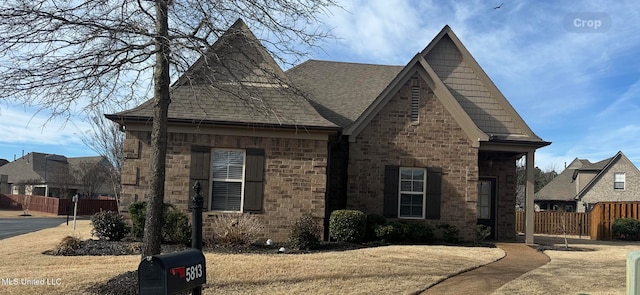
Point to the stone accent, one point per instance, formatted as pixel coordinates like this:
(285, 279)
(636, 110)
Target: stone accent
(603, 191)
(435, 140)
(294, 182)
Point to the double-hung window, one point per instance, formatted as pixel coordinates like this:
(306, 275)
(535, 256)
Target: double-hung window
(618, 181)
(227, 179)
(412, 192)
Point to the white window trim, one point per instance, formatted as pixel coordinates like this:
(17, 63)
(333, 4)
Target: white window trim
(424, 193)
(212, 179)
(624, 181)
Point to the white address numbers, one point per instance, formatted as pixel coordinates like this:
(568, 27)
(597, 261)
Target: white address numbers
(193, 272)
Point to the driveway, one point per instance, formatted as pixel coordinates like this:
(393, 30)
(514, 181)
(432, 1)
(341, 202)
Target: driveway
(10, 227)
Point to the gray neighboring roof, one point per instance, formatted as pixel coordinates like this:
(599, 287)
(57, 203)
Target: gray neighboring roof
(236, 82)
(19, 171)
(341, 91)
(563, 187)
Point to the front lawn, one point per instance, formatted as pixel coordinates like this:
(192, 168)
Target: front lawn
(380, 270)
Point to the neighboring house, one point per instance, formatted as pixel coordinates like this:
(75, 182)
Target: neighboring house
(582, 184)
(55, 176)
(432, 141)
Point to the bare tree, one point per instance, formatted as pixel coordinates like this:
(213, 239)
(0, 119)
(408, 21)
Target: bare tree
(106, 139)
(91, 175)
(65, 54)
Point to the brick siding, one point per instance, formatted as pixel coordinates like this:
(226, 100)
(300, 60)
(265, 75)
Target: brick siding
(294, 182)
(436, 140)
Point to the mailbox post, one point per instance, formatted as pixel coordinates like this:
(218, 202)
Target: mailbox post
(196, 225)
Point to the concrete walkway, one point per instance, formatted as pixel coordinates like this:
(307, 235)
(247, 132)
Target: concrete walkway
(518, 260)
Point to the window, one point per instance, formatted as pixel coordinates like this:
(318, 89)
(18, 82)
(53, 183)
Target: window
(412, 192)
(618, 181)
(484, 200)
(237, 176)
(227, 180)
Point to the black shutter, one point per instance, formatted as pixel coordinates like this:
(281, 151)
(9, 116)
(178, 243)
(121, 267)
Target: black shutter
(200, 167)
(434, 192)
(391, 179)
(253, 181)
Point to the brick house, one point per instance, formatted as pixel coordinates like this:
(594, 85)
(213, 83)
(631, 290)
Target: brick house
(432, 141)
(582, 184)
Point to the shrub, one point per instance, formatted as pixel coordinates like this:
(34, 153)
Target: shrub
(305, 233)
(418, 232)
(109, 225)
(347, 225)
(175, 224)
(481, 232)
(68, 246)
(374, 221)
(450, 233)
(626, 228)
(394, 231)
(176, 228)
(137, 212)
(236, 229)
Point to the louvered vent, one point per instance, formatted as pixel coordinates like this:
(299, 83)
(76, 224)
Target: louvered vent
(415, 103)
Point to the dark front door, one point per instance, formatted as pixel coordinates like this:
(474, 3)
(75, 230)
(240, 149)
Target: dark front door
(487, 204)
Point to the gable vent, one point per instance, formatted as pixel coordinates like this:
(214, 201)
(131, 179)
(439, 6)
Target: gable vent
(415, 103)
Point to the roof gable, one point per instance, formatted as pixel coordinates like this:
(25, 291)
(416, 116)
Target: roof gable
(610, 163)
(563, 186)
(236, 82)
(236, 57)
(418, 65)
(474, 90)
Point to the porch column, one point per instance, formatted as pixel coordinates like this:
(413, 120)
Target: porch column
(528, 207)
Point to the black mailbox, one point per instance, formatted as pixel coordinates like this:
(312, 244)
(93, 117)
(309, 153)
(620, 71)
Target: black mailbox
(171, 273)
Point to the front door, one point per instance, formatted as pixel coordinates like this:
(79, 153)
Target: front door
(487, 204)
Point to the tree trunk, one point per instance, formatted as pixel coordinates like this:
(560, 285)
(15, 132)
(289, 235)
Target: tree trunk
(153, 223)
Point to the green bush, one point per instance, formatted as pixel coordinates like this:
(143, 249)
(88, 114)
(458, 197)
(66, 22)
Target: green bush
(176, 228)
(450, 233)
(418, 232)
(236, 229)
(374, 221)
(390, 232)
(347, 225)
(626, 228)
(137, 213)
(305, 233)
(109, 225)
(175, 223)
(481, 232)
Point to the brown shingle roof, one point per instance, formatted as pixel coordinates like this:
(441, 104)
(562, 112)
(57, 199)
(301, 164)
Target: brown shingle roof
(201, 104)
(235, 82)
(341, 91)
(561, 188)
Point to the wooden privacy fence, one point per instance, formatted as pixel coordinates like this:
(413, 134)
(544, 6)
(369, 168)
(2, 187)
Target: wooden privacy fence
(555, 223)
(57, 206)
(604, 213)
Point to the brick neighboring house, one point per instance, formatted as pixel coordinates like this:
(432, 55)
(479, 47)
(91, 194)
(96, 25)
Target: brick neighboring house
(432, 141)
(582, 184)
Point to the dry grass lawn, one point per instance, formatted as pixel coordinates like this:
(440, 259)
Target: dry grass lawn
(382, 270)
(602, 271)
(17, 213)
